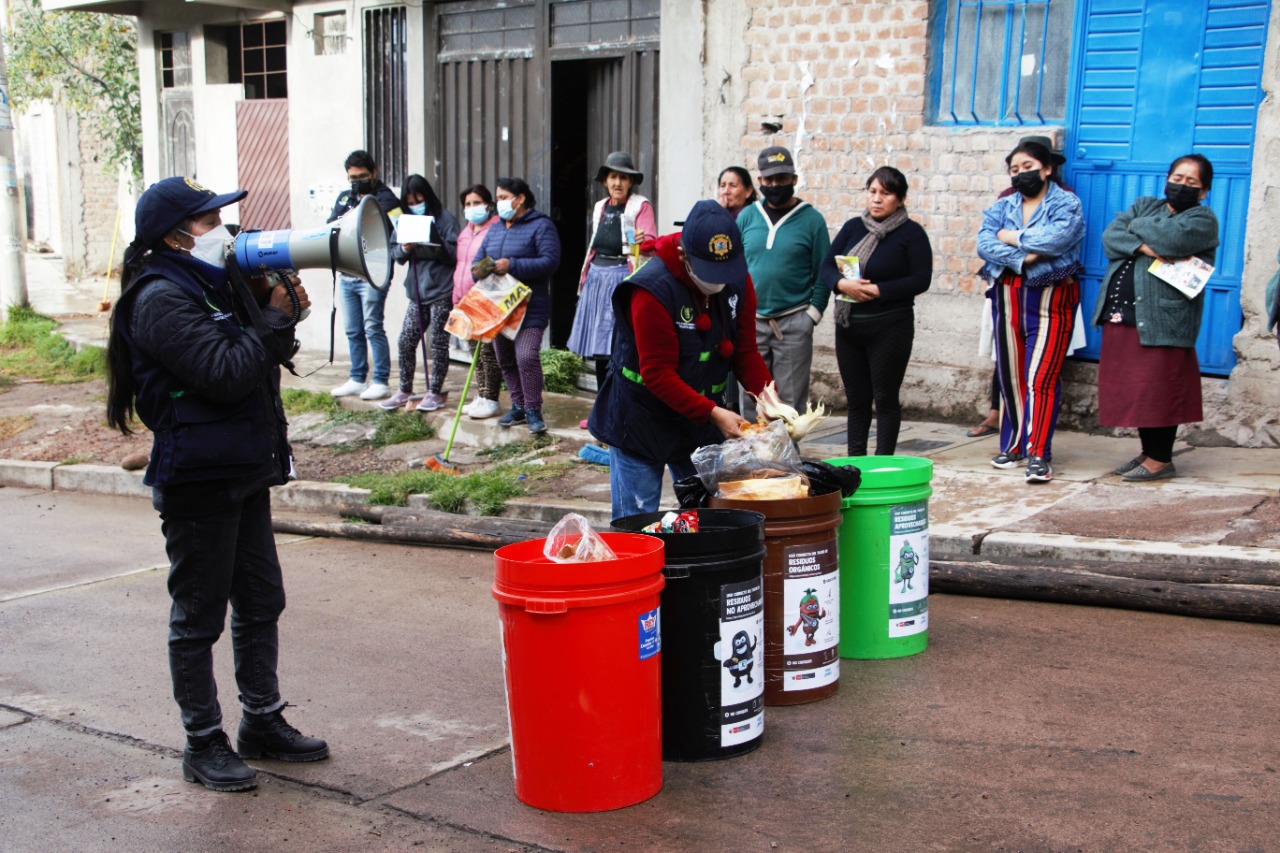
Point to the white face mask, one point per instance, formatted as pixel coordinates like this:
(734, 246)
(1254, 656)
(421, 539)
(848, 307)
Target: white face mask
(211, 246)
(505, 209)
(705, 286)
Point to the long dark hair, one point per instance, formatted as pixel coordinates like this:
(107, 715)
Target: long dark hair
(745, 177)
(418, 185)
(517, 186)
(1041, 155)
(122, 388)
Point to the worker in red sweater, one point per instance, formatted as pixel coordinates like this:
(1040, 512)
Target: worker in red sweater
(684, 319)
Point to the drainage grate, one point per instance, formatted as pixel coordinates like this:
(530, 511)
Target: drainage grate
(919, 445)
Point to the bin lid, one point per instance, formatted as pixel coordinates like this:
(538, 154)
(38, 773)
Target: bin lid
(889, 472)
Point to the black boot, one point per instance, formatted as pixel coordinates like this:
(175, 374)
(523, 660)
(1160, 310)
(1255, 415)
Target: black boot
(270, 736)
(210, 761)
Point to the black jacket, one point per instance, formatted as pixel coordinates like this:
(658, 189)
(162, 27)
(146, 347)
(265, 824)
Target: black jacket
(206, 386)
(431, 267)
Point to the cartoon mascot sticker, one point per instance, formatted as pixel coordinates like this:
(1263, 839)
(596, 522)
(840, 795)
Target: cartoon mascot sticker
(742, 659)
(908, 559)
(811, 614)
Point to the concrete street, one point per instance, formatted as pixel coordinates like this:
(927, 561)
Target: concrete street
(1023, 726)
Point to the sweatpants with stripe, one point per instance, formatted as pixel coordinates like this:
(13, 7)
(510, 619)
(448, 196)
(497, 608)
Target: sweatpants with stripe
(1033, 332)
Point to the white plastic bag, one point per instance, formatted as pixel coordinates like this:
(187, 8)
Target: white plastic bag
(573, 540)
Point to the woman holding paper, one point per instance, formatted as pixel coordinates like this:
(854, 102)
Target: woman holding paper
(429, 285)
(875, 299)
(1148, 374)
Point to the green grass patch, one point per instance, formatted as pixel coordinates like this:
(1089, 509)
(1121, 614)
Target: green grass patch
(31, 348)
(400, 427)
(76, 460)
(296, 401)
(516, 449)
(488, 491)
(560, 370)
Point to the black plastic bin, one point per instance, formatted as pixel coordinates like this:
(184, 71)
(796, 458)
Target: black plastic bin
(712, 632)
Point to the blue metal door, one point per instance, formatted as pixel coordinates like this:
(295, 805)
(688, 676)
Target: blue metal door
(1155, 79)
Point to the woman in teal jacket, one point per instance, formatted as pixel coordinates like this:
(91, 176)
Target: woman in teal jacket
(1148, 374)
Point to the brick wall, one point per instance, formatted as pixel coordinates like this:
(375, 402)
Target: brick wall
(99, 191)
(849, 81)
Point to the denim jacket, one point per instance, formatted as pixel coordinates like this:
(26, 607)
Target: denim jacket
(1055, 232)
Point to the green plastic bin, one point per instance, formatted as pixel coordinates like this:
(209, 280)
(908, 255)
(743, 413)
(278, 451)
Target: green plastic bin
(884, 558)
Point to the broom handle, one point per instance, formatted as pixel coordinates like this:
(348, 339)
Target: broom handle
(462, 401)
(111, 260)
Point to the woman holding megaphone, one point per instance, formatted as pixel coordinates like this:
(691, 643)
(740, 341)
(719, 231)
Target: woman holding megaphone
(195, 353)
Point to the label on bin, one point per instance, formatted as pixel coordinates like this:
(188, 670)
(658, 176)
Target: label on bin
(810, 616)
(650, 633)
(908, 569)
(741, 662)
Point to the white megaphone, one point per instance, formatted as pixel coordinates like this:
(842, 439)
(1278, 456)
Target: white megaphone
(358, 244)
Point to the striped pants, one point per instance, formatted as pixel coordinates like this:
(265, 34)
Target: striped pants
(1033, 331)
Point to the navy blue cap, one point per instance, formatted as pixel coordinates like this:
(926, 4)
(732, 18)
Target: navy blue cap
(713, 245)
(167, 203)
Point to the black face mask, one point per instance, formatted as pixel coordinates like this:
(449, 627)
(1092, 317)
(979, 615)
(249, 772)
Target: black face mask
(778, 196)
(362, 187)
(1028, 183)
(1181, 196)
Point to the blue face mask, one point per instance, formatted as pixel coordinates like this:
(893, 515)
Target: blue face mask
(506, 209)
(418, 209)
(476, 215)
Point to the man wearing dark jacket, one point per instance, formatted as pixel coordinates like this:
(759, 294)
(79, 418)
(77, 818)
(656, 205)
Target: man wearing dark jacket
(197, 354)
(362, 303)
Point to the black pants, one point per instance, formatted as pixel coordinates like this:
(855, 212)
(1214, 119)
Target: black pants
(1157, 442)
(225, 556)
(872, 355)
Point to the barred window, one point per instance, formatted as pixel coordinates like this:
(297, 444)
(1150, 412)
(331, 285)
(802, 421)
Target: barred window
(1000, 62)
(257, 58)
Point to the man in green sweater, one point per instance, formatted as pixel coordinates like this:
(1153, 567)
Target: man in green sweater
(785, 241)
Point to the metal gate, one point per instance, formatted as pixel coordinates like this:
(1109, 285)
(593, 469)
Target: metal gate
(386, 98)
(1156, 79)
(494, 85)
(492, 97)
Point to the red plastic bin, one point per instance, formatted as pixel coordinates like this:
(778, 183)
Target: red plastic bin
(581, 649)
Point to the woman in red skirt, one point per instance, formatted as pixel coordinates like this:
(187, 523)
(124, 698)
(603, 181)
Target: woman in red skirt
(1148, 374)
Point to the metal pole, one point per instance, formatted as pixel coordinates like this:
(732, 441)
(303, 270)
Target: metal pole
(13, 274)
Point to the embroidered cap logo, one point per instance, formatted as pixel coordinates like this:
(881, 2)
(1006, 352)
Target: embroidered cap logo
(720, 246)
(777, 158)
(197, 187)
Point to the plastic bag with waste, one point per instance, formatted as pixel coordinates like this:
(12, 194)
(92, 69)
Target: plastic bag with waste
(573, 540)
(496, 305)
(763, 453)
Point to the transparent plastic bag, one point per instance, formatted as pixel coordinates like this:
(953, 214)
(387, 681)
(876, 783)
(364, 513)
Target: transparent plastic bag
(764, 453)
(573, 540)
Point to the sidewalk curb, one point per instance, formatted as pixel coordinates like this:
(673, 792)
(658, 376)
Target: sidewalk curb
(18, 472)
(946, 542)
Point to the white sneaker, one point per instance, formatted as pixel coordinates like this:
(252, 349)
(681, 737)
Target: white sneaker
(376, 391)
(348, 388)
(470, 407)
(483, 408)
